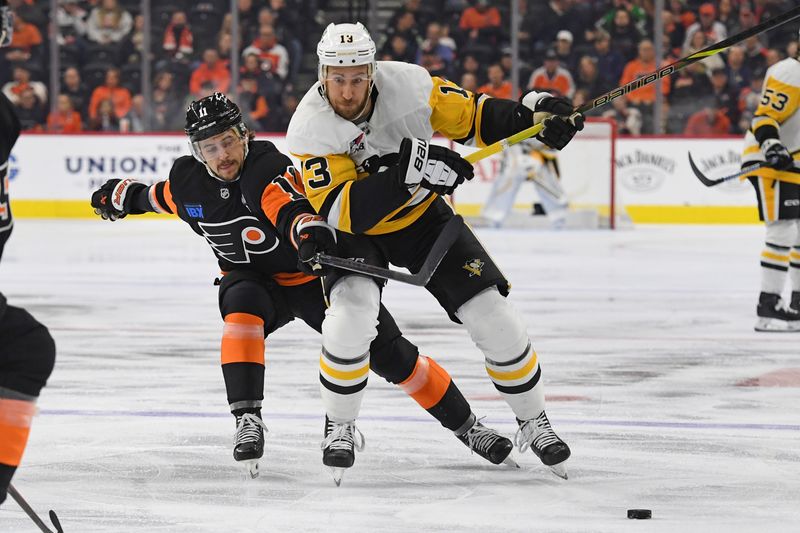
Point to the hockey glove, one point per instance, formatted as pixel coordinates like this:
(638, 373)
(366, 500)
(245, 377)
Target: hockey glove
(435, 168)
(776, 154)
(114, 199)
(6, 25)
(560, 121)
(311, 235)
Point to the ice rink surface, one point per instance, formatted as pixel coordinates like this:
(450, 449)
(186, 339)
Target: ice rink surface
(655, 377)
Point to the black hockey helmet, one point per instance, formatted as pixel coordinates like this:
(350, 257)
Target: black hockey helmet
(211, 116)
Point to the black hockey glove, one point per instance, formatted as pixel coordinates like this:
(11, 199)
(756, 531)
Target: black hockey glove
(435, 168)
(311, 235)
(114, 199)
(776, 154)
(560, 121)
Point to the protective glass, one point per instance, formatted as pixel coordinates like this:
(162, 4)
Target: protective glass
(209, 149)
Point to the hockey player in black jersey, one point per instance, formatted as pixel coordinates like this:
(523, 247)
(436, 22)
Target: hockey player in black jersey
(247, 200)
(27, 351)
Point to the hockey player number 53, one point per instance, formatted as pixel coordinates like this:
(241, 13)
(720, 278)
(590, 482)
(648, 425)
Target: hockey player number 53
(775, 99)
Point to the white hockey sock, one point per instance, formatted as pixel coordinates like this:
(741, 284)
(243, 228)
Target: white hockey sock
(349, 327)
(499, 332)
(774, 266)
(794, 268)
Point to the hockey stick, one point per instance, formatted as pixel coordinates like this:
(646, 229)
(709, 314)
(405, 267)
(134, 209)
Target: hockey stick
(613, 94)
(32, 514)
(443, 243)
(711, 182)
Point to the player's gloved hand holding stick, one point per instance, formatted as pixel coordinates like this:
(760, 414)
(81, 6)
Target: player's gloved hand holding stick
(114, 200)
(559, 121)
(311, 235)
(656, 76)
(776, 154)
(432, 167)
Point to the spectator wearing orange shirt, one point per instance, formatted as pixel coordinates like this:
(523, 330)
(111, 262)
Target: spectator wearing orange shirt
(178, 39)
(479, 16)
(25, 43)
(119, 96)
(498, 86)
(708, 121)
(253, 105)
(552, 77)
(213, 71)
(273, 55)
(480, 22)
(65, 119)
(644, 97)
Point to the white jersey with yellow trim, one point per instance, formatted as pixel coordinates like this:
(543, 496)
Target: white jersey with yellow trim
(780, 100)
(409, 104)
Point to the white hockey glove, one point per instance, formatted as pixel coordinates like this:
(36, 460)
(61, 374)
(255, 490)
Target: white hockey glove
(561, 123)
(777, 155)
(435, 168)
(114, 200)
(6, 26)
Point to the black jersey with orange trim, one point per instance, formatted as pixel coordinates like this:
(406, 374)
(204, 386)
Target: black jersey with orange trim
(247, 222)
(9, 133)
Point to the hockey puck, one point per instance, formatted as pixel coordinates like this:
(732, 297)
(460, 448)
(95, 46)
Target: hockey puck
(640, 514)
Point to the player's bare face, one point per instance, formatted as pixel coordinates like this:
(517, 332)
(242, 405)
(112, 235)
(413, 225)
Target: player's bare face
(224, 154)
(348, 90)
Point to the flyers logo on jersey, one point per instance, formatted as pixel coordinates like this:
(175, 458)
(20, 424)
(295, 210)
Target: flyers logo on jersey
(237, 240)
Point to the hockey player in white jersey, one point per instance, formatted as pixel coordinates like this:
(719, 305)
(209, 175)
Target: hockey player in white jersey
(774, 137)
(530, 160)
(362, 133)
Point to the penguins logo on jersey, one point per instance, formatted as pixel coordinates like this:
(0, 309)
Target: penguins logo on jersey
(236, 240)
(474, 267)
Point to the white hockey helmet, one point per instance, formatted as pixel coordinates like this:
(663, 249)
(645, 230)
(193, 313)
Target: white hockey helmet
(345, 45)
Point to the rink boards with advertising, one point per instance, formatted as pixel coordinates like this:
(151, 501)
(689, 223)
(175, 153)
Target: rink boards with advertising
(54, 175)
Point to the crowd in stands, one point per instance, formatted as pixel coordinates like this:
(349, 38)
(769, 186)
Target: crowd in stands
(575, 48)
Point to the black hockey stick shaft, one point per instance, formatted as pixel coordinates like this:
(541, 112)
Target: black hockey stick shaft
(32, 514)
(708, 182)
(613, 94)
(444, 241)
(692, 58)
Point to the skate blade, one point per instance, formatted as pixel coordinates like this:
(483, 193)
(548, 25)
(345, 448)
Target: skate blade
(560, 470)
(510, 462)
(251, 465)
(338, 474)
(773, 325)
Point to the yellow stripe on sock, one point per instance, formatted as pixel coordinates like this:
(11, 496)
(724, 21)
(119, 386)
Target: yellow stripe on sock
(343, 375)
(513, 374)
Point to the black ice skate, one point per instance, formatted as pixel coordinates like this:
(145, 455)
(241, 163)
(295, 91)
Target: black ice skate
(488, 443)
(248, 442)
(774, 315)
(339, 446)
(537, 435)
(795, 302)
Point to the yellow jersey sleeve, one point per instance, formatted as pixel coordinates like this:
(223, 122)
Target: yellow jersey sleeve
(779, 100)
(455, 112)
(327, 181)
(474, 119)
(370, 203)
